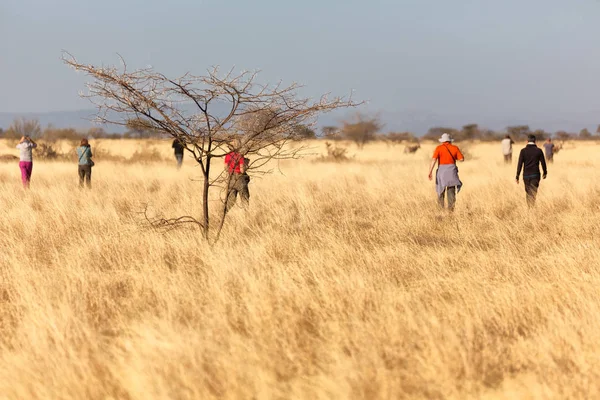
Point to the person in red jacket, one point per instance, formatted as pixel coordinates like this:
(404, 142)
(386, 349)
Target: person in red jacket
(236, 166)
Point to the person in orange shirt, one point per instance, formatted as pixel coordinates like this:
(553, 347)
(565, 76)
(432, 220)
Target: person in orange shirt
(446, 176)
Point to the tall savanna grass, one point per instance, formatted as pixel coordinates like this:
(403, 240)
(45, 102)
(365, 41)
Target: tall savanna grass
(341, 280)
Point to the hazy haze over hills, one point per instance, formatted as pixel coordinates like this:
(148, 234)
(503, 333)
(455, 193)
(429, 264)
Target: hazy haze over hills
(413, 121)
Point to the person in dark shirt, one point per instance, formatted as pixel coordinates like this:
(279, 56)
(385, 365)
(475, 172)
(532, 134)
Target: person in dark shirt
(530, 159)
(549, 148)
(178, 150)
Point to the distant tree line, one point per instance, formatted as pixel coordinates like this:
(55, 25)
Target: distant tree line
(136, 129)
(360, 129)
(32, 128)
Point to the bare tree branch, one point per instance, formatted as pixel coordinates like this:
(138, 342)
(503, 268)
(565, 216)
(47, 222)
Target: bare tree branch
(169, 223)
(263, 119)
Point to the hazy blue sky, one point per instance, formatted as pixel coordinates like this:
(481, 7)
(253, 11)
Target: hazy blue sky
(469, 57)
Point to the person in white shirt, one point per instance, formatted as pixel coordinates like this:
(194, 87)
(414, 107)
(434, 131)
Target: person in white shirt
(507, 143)
(25, 146)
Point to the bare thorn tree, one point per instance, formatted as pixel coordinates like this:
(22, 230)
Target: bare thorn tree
(26, 127)
(224, 107)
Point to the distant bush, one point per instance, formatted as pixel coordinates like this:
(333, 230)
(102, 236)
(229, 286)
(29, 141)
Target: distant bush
(8, 158)
(47, 152)
(303, 132)
(146, 155)
(53, 134)
(361, 130)
(24, 127)
(335, 153)
(103, 154)
(398, 138)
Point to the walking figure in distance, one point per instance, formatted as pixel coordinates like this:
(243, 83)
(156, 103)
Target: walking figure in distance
(549, 149)
(84, 153)
(178, 150)
(507, 143)
(26, 146)
(237, 178)
(530, 159)
(446, 176)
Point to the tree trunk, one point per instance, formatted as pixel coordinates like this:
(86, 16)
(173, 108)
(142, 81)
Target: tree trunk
(205, 198)
(224, 209)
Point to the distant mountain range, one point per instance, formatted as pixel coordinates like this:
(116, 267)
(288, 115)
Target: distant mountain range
(79, 119)
(412, 121)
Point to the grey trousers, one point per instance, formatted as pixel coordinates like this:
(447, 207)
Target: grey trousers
(451, 190)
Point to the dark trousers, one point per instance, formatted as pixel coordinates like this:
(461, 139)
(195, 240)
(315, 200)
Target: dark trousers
(238, 183)
(508, 158)
(451, 190)
(550, 159)
(531, 188)
(85, 172)
(179, 158)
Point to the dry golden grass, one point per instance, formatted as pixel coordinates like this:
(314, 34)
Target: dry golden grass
(340, 281)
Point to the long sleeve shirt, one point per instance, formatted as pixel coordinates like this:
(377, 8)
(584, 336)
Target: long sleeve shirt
(530, 159)
(25, 149)
(177, 147)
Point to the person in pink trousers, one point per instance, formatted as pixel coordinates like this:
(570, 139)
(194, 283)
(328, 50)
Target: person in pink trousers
(25, 146)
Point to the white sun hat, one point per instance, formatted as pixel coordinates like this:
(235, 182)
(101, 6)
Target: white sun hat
(445, 138)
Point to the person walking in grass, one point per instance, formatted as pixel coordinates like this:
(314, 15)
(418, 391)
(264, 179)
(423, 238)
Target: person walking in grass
(530, 159)
(237, 178)
(549, 149)
(507, 143)
(26, 146)
(446, 177)
(84, 153)
(178, 150)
